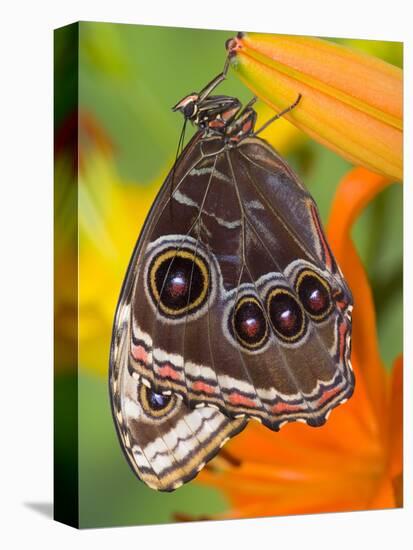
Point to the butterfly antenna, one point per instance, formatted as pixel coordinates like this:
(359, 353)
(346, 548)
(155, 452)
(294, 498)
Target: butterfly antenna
(179, 150)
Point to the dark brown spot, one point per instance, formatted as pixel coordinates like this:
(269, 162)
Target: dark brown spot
(249, 324)
(314, 295)
(178, 281)
(286, 314)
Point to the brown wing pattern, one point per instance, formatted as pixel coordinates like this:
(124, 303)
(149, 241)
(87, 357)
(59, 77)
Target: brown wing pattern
(236, 299)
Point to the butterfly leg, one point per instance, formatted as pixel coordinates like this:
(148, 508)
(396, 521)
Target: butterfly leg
(250, 103)
(279, 115)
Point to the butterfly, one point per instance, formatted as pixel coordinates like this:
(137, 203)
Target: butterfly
(233, 306)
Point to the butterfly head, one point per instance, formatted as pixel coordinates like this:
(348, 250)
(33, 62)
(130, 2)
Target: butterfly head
(188, 106)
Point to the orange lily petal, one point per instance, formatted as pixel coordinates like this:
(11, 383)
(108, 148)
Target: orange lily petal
(355, 191)
(351, 102)
(333, 485)
(354, 462)
(384, 497)
(395, 428)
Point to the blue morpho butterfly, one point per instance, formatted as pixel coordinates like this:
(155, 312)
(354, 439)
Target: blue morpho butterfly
(233, 306)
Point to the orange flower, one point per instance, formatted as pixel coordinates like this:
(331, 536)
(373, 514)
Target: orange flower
(354, 462)
(351, 102)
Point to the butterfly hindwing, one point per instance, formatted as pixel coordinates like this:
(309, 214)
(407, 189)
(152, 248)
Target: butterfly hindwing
(166, 443)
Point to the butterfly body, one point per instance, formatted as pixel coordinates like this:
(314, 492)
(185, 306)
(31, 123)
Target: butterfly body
(233, 306)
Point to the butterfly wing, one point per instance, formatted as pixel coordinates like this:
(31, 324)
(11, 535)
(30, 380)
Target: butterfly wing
(165, 442)
(236, 300)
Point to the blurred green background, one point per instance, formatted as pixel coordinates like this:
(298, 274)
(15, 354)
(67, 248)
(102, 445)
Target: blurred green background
(129, 78)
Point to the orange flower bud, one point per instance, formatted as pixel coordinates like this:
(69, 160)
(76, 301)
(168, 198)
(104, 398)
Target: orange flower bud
(351, 102)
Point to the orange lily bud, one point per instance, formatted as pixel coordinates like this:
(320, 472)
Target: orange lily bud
(351, 102)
